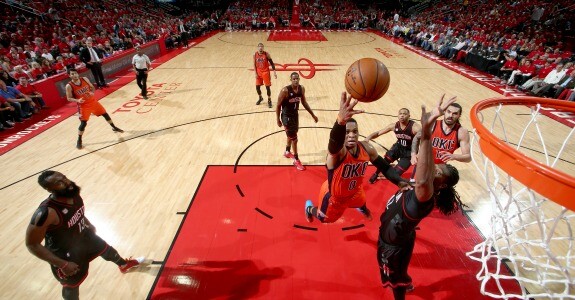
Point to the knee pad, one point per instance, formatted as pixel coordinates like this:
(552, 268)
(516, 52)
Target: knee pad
(82, 125)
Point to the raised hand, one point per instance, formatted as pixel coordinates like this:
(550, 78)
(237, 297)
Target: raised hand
(429, 118)
(346, 111)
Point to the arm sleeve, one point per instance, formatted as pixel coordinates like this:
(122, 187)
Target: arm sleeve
(336, 138)
(272, 63)
(385, 168)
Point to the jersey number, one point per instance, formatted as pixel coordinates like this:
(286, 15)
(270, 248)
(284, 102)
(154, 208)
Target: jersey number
(403, 143)
(352, 185)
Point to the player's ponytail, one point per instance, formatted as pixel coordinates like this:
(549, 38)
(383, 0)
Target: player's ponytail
(447, 199)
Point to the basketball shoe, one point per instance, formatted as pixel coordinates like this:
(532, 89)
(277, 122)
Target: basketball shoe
(365, 212)
(308, 207)
(269, 103)
(298, 165)
(260, 100)
(130, 264)
(288, 154)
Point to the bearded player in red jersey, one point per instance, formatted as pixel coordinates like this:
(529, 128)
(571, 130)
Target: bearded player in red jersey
(448, 135)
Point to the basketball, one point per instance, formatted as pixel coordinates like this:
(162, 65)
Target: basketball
(367, 79)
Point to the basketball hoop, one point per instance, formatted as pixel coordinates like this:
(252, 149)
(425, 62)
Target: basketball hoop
(532, 198)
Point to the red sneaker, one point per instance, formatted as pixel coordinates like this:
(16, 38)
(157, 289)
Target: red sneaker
(130, 264)
(298, 165)
(288, 154)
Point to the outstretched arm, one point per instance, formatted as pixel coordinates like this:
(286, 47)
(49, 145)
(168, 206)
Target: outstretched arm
(425, 172)
(383, 166)
(338, 132)
(381, 132)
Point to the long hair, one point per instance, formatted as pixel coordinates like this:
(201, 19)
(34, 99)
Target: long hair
(447, 199)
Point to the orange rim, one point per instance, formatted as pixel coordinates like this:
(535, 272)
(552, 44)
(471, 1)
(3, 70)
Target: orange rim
(548, 182)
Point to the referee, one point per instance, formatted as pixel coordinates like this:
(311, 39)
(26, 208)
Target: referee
(142, 65)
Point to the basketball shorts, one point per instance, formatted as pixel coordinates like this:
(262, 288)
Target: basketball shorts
(291, 125)
(330, 209)
(402, 155)
(263, 78)
(87, 109)
(393, 262)
(86, 248)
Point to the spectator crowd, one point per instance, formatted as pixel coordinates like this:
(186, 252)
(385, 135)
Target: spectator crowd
(519, 42)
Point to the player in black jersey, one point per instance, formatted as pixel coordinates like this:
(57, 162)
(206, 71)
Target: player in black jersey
(434, 187)
(71, 240)
(404, 129)
(288, 104)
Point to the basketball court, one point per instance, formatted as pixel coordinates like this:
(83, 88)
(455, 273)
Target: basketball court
(198, 184)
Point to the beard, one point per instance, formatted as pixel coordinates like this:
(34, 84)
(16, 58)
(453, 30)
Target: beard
(72, 191)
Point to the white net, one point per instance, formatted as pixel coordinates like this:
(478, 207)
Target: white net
(528, 252)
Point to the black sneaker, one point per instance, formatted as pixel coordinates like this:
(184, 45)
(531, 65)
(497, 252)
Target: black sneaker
(373, 178)
(116, 129)
(260, 101)
(79, 144)
(270, 103)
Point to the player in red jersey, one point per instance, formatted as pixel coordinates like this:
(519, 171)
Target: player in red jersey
(262, 63)
(447, 136)
(346, 164)
(81, 91)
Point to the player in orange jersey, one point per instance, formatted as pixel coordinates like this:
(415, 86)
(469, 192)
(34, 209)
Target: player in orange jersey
(81, 91)
(262, 63)
(447, 136)
(346, 164)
